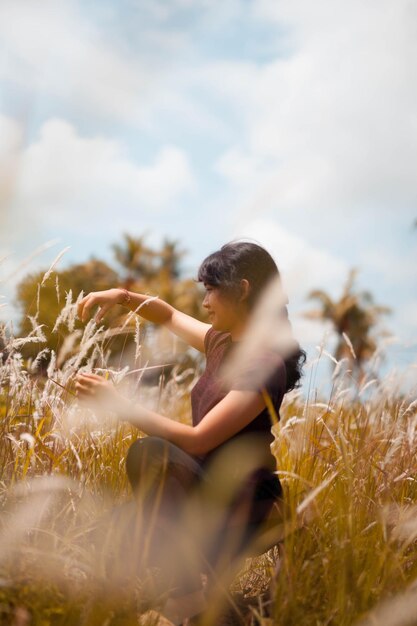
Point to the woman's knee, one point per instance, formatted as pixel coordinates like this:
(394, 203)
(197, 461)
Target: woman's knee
(146, 457)
(151, 458)
(145, 445)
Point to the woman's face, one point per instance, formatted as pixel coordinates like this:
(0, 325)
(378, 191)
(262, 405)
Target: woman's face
(223, 311)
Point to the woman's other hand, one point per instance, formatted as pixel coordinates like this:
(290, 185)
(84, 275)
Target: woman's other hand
(99, 393)
(104, 299)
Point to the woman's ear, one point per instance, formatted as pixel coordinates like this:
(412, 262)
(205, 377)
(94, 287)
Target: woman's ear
(244, 289)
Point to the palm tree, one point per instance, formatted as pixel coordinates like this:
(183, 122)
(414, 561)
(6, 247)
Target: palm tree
(354, 317)
(136, 258)
(170, 258)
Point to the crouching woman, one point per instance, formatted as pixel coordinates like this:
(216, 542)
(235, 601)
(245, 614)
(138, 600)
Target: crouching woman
(225, 455)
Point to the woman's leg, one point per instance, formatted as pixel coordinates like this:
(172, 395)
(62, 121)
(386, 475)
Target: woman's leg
(243, 517)
(163, 478)
(151, 460)
(237, 539)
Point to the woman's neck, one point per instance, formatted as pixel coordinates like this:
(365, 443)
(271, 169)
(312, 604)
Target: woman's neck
(238, 330)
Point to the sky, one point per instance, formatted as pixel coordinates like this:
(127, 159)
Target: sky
(293, 123)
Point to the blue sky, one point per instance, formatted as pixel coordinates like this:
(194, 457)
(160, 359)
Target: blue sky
(293, 123)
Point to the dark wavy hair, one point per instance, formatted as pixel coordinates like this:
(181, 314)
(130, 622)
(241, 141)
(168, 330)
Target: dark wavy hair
(239, 260)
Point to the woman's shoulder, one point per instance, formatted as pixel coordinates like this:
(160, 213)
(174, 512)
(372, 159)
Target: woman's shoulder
(215, 339)
(266, 370)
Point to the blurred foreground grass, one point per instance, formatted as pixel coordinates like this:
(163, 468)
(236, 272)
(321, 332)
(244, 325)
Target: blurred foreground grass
(348, 467)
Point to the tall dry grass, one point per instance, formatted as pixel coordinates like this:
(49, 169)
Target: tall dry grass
(347, 464)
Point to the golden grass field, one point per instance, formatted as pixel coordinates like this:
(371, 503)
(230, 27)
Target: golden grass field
(347, 463)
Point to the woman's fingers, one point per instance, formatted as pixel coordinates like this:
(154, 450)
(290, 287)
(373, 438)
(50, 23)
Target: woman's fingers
(91, 383)
(101, 312)
(89, 379)
(105, 300)
(87, 389)
(81, 306)
(84, 307)
(93, 380)
(98, 392)
(90, 375)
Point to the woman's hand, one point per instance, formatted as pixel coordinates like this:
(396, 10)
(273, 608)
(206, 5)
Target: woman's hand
(104, 299)
(99, 393)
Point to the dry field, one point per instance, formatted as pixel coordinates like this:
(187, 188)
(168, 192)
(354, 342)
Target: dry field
(347, 464)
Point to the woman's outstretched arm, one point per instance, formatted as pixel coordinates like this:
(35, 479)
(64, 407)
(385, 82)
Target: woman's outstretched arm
(224, 420)
(155, 310)
(227, 418)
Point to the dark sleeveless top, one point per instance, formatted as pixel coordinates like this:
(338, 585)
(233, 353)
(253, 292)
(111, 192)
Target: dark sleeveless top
(211, 389)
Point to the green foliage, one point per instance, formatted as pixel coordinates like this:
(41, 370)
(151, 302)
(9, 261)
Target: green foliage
(140, 268)
(140, 263)
(355, 316)
(136, 259)
(43, 303)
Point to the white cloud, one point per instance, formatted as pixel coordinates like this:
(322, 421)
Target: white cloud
(163, 10)
(65, 183)
(328, 146)
(311, 334)
(10, 137)
(51, 50)
(211, 14)
(10, 156)
(10, 140)
(54, 52)
(407, 317)
(393, 268)
(332, 126)
(396, 271)
(322, 137)
(70, 180)
(303, 267)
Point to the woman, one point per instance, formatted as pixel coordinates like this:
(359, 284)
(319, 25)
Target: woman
(231, 415)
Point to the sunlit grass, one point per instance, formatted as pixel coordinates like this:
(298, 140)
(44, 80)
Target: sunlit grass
(347, 464)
